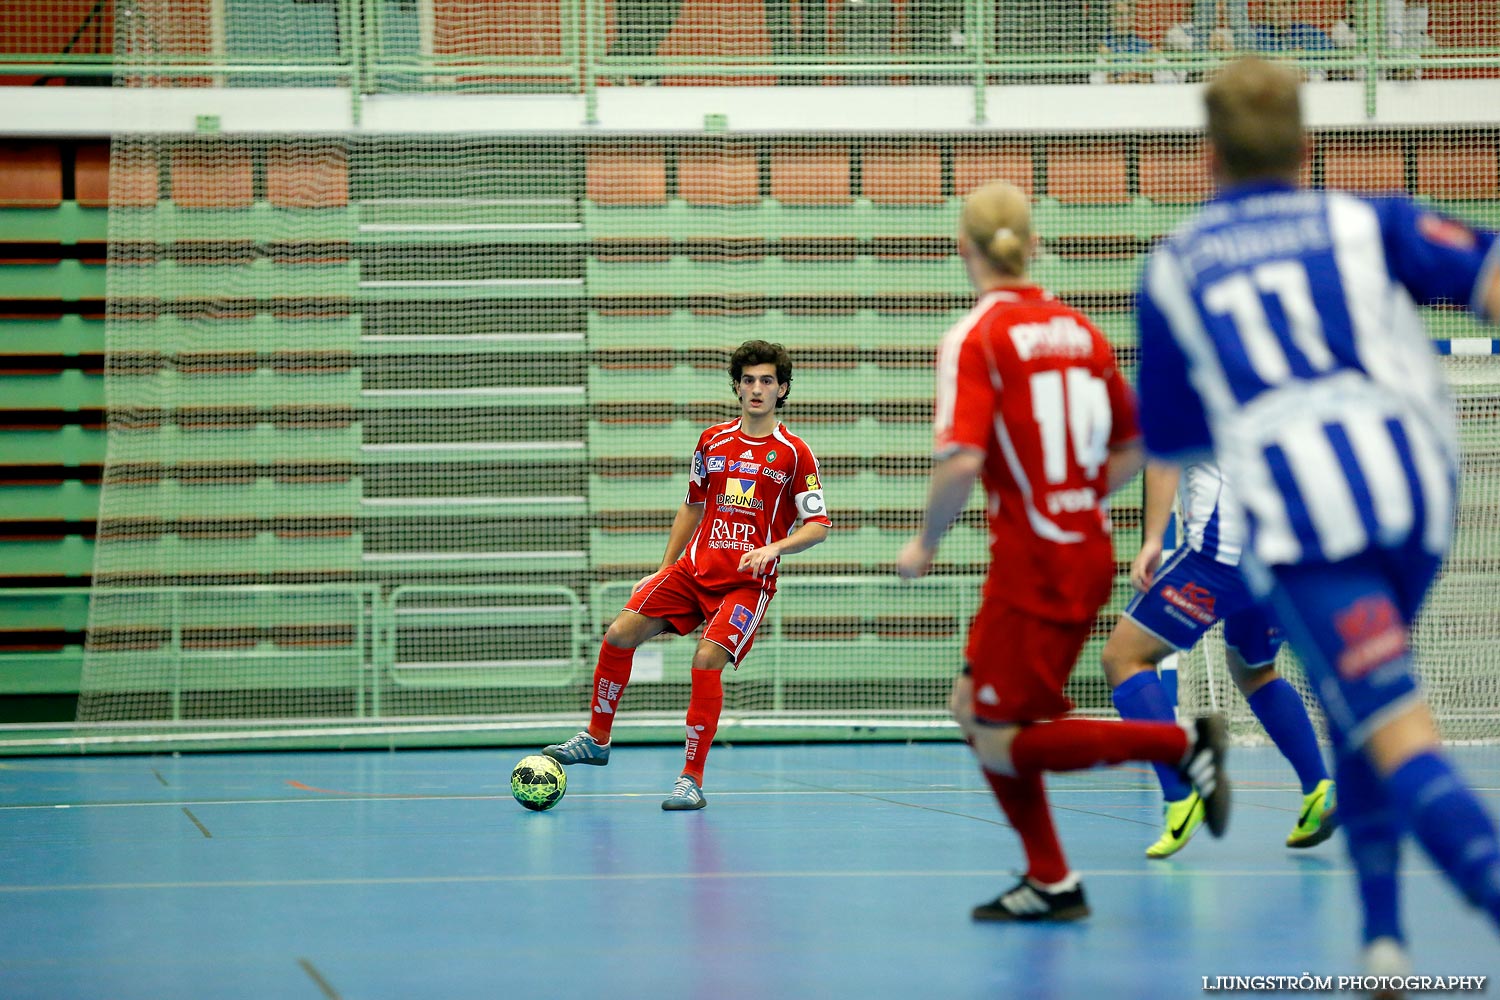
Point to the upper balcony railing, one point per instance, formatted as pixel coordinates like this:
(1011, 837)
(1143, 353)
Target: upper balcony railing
(576, 46)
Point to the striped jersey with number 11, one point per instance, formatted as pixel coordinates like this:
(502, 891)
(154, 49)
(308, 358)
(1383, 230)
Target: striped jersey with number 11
(1280, 329)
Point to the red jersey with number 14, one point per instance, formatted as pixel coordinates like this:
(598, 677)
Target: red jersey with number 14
(753, 490)
(1033, 384)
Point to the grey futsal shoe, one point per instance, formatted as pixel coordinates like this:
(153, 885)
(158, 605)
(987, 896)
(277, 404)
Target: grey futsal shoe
(581, 749)
(685, 795)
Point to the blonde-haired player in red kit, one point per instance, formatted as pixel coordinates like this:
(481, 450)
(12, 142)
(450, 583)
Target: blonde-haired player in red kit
(1029, 399)
(752, 480)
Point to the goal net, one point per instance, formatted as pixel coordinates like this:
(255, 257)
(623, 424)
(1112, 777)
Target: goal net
(398, 416)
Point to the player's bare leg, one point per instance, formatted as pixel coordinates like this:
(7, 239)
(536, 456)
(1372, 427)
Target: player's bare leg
(704, 706)
(611, 674)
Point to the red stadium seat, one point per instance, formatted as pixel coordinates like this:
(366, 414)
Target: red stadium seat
(977, 163)
(811, 174)
(1452, 167)
(132, 184)
(212, 175)
(1366, 163)
(30, 175)
(727, 30)
(903, 174)
(719, 173)
(307, 176)
(1174, 171)
(629, 173)
(1088, 172)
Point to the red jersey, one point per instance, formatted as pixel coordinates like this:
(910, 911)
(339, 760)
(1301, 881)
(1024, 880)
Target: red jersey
(1033, 384)
(753, 490)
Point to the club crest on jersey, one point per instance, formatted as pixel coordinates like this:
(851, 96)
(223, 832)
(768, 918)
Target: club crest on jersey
(1196, 600)
(740, 493)
(1373, 634)
(1437, 229)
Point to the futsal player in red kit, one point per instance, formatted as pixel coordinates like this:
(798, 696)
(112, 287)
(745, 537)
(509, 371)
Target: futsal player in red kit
(1029, 400)
(752, 482)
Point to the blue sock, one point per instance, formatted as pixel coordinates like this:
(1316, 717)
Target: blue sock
(1279, 708)
(1451, 824)
(1142, 698)
(1372, 832)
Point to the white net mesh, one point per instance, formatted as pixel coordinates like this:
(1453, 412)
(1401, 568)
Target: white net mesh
(396, 419)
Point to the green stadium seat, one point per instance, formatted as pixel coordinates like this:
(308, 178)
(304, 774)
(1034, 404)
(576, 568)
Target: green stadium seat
(69, 500)
(65, 280)
(862, 382)
(69, 335)
(69, 224)
(779, 276)
(68, 445)
(65, 556)
(262, 498)
(262, 279)
(864, 328)
(265, 554)
(68, 390)
(262, 333)
(262, 388)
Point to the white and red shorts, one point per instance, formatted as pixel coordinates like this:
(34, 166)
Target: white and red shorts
(732, 616)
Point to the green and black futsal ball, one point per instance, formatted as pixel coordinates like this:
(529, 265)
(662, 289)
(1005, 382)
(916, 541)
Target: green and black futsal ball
(538, 782)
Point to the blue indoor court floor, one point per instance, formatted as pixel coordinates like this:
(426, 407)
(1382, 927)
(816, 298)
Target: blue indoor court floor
(844, 870)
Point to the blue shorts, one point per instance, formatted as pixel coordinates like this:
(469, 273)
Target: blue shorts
(1191, 593)
(1350, 623)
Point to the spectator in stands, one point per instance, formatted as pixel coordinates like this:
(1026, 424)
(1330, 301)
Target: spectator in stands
(797, 28)
(1209, 34)
(1123, 43)
(1286, 32)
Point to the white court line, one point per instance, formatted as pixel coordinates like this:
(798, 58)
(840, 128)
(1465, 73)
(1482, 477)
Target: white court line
(1087, 873)
(327, 797)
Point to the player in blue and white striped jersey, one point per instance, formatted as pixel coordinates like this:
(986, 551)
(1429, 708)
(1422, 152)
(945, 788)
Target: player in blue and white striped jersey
(1279, 333)
(1199, 586)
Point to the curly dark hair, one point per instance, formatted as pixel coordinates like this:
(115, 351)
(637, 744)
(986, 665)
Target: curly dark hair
(761, 352)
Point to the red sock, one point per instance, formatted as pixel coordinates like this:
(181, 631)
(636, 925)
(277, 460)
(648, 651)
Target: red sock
(704, 705)
(1075, 744)
(610, 677)
(1024, 800)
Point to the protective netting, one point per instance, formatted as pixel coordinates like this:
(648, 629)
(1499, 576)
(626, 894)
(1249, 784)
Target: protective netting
(397, 420)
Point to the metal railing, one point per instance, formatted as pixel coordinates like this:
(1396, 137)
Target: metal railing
(380, 46)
